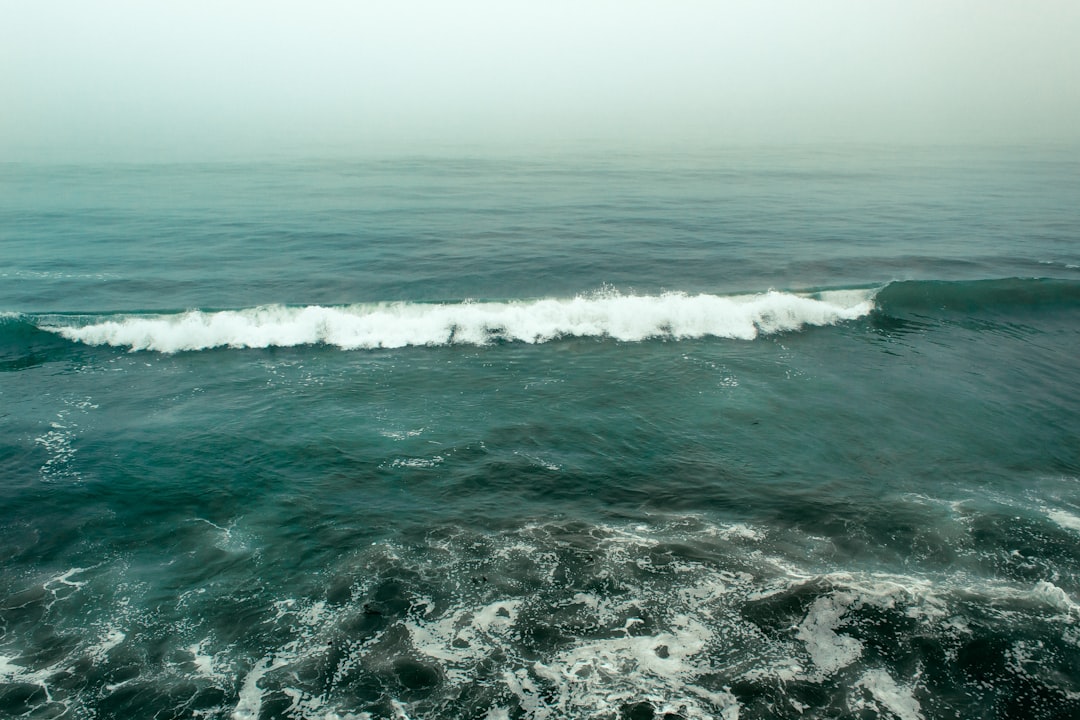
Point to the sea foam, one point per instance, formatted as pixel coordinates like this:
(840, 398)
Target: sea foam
(393, 325)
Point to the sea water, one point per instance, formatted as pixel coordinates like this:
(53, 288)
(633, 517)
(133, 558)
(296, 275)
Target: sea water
(745, 433)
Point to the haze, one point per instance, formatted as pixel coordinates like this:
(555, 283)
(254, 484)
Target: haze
(132, 79)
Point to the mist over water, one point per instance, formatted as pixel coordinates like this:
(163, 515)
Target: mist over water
(124, 80)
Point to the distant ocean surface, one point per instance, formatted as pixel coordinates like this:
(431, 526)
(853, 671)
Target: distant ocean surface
(784, 433)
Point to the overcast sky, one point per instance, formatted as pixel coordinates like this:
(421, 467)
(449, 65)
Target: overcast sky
(131, 78)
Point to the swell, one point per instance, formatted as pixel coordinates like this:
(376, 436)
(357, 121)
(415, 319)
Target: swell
(978, 297)
(23, 344)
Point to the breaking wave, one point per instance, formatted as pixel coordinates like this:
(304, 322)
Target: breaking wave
(393, 325)
(613, 315)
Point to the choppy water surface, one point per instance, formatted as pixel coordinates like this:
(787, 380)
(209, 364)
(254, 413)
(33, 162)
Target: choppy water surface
(754, 434)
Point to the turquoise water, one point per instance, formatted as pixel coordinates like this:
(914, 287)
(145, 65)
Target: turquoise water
(755, 434)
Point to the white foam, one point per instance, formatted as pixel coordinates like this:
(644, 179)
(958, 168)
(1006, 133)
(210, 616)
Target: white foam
(887, 695)
(464, 635)
(591, 678)
(539, 461)
(1043, 593)
(739, 531)
(401, 434)
(675, 625)
(204, 663)
(828, 649)
(826, 646)
(111, 638)
(9, 671)
(61, 586)
(250, 701)
(394, 325)
(416, 462)
(1064, 519)
(1054, 596)
(57, 442)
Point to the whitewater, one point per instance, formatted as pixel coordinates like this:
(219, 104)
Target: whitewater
(394, 325)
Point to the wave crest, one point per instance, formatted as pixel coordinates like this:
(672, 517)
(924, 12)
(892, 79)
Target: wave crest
(627, 318)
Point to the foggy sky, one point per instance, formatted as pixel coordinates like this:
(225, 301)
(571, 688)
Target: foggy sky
(199, 79)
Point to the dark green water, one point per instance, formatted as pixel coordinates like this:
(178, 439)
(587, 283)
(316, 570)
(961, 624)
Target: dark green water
(526, 439)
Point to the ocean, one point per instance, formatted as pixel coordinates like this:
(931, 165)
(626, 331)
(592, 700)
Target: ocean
(737, 433)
